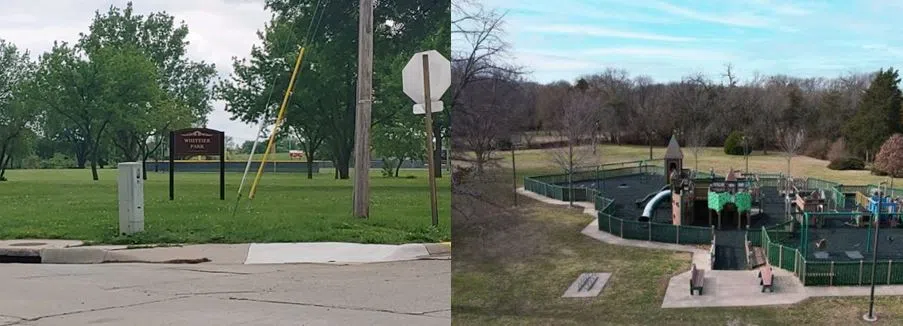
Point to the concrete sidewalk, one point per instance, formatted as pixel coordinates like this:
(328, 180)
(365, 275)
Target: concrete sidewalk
(72, 252)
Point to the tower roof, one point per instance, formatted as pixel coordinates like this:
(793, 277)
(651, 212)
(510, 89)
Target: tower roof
(731, 176)
(673, 151)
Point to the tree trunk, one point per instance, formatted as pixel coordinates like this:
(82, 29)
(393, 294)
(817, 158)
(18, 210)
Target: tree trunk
(437, 153)
(342, 167)
(478, 164)
(81, 157)
(695, 162)
(398, 167)
(3, 164)
(335, 169)
(649, 140)
(94, 167)
(594, 141)
(143, 168)
(310, 166)
(3, 158)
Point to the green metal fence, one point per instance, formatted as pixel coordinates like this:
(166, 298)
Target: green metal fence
(551, 186)
(827, 273)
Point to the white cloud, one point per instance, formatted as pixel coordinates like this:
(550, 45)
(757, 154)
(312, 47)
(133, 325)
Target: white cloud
(782, 8)
(732, 19)
(219, 30)
(541, 61)
(602, 32)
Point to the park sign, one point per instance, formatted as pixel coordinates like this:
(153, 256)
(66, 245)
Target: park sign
(197, 141)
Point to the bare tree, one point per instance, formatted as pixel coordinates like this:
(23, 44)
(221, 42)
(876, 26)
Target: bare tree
(486, 117)
(478, 33)
(650, 114)
(697, 138)
(574, 124)
(613, 87)
(791, 141)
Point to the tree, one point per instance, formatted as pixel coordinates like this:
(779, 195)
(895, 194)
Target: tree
(400, 140)
(185, 84)
(478, 35)
(697, 138)
(574, 123)
(890, 158)
(614, 88)
(650, 115)
(878, 116)
(791, 141)
(84, 94)
(16, 113)
(486, 116)
(326, 86)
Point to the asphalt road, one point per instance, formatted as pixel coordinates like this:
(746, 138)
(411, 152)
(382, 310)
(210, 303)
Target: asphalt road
(398, 293)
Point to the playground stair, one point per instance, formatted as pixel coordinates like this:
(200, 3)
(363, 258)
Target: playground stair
(730, 251)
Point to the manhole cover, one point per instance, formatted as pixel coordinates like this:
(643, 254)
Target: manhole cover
(27, 244)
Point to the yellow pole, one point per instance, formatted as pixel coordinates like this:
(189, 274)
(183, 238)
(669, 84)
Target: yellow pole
(288, 93)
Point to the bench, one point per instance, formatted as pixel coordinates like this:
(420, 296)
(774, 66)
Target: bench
(697, 279)
(766, 278)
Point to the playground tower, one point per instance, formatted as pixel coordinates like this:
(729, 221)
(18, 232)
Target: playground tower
(674, 160)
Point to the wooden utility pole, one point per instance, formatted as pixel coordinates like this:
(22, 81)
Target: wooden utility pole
(362, 120)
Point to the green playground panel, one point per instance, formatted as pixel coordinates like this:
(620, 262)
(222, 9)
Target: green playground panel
(717, 200)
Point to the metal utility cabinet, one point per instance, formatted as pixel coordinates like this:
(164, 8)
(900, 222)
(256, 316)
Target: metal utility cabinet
(131, 198)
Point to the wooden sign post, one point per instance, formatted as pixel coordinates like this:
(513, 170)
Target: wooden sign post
(197, 141)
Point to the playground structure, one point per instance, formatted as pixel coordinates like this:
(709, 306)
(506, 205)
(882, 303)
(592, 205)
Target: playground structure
(816, 229)
(727, 197)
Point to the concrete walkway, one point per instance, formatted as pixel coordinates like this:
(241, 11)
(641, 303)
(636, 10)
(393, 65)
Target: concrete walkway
(71, 252)
(722, 288)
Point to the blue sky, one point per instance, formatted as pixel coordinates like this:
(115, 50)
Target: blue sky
(563, 39)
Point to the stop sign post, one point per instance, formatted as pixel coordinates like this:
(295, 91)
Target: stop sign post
(425, 78)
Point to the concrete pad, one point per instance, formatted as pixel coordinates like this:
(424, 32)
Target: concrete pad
(216, 253)
(574, 290)
(83, 255)
(733, 289)
(214, 311)
(331, 252)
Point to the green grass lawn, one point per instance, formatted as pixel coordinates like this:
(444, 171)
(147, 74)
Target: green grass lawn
(66, 204)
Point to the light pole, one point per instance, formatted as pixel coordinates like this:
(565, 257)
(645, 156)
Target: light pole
(871, 315)
(746, 152)
(514, 170)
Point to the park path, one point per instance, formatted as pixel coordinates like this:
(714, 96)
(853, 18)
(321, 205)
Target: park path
(722, 288)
